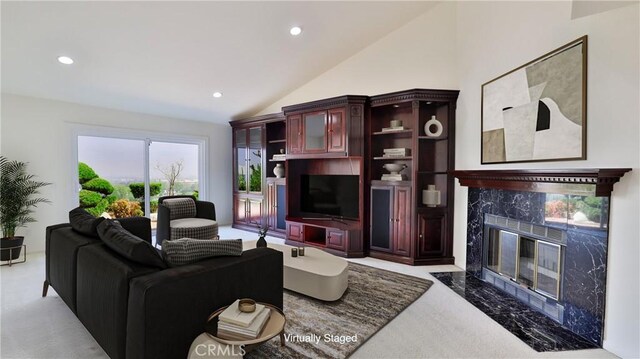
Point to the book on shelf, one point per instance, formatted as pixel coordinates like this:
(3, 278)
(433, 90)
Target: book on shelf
(391, 129)
(236, 332)
(233, 315)
(396, 151)
(279, 157)
(387, 155)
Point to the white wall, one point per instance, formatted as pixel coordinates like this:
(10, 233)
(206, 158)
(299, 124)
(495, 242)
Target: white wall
(38, 131)
(406, 58)
(461, 46)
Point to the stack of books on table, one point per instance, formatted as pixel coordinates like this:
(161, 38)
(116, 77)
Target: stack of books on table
(236, 325)
(391, 129)
(396, 152)
(392, 177)
(279, 157)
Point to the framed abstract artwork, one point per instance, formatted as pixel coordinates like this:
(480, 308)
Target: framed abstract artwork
(537, 112)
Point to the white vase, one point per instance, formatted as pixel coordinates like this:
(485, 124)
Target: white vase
(431, 196)
(278, 170)
(433, 122)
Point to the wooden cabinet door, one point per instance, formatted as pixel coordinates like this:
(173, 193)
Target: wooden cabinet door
(254, 211)
(402, 219)
(294, 232)
(336, 131)
(239, 210)
(431, 234)
(382, 222)
(314, 132)
(336, 239)
(294, 134)
(271, 204)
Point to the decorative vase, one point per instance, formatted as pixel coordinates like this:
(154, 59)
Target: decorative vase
(11, 242)
(261, 242)
(278, 170)
(438, 127)
(431, 196)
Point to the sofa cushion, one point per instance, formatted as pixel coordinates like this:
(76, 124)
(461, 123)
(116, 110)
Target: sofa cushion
(196, 228)
(83, 222)
(129, 246)
(180, 207)
(188, 250)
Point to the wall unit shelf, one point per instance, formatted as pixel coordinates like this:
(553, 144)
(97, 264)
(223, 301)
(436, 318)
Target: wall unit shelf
(259, 197)
(392, 158)
(402, 228)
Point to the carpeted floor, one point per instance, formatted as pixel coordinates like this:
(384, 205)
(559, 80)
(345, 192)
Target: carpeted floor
(337, 329)
(440, 324)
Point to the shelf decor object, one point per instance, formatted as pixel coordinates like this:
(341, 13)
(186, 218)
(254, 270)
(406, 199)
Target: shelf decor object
(433, 122)
(278, 170)
(537, 112)
(431, 196)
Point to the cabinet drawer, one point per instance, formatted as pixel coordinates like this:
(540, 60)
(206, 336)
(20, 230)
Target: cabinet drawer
(336, 239)
(294, 232)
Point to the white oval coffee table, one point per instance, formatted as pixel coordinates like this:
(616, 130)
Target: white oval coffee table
(317, 274)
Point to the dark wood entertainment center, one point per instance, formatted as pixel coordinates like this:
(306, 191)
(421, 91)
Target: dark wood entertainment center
(349, 135)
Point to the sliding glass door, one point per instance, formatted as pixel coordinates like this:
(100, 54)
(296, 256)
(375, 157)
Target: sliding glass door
(122, 177)
(173, 170)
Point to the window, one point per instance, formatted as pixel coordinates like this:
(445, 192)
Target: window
(123, 173)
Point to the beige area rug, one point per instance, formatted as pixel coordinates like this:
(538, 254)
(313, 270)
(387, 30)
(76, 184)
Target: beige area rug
(317, 329)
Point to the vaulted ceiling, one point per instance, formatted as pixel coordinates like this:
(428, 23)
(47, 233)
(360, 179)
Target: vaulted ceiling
(167, 58)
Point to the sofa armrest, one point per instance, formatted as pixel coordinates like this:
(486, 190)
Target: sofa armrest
(206, 210)
(168, 309)
(138, 226)
(48, 247)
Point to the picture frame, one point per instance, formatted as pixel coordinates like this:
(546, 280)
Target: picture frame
(538, 111)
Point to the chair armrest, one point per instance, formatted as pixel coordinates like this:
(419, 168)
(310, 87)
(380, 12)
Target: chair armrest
(163, 229)
(205, 210)
(168, 309)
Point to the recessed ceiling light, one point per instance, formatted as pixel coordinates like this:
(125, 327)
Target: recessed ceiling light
(295, 31)
(65, 60)
(217, 94)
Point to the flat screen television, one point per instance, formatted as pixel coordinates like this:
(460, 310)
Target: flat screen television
(332, 196)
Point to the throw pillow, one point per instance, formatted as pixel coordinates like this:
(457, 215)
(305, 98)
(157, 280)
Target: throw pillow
(128, 245)
(186, 250)
(83, 222)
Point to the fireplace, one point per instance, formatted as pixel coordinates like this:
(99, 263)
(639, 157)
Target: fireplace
(525, 260)
(542, 237)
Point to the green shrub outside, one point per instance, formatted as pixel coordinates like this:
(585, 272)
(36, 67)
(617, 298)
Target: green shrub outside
(122, 191)
(100, 208)
(154, 206)
(196, 194)
(137, 189)
(100, 185)
(89, 198)
(111, 198)
(85, 173)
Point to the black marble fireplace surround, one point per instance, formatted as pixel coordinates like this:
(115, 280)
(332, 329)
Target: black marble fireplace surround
(578, 206)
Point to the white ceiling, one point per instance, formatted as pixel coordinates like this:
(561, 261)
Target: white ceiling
(167, 58)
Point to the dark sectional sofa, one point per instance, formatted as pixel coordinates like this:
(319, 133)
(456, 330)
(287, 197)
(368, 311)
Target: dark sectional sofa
(134, 311)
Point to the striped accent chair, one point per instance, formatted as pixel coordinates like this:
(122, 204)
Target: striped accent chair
(185, 217)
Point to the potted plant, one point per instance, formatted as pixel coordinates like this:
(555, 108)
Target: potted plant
(17, 201)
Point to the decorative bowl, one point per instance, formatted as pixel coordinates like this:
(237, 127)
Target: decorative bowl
(247, 305)
(394, 168)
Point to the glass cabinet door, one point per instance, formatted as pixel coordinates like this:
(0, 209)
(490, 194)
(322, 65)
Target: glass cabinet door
(240, 184)
(255, 159)
(315, 139)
